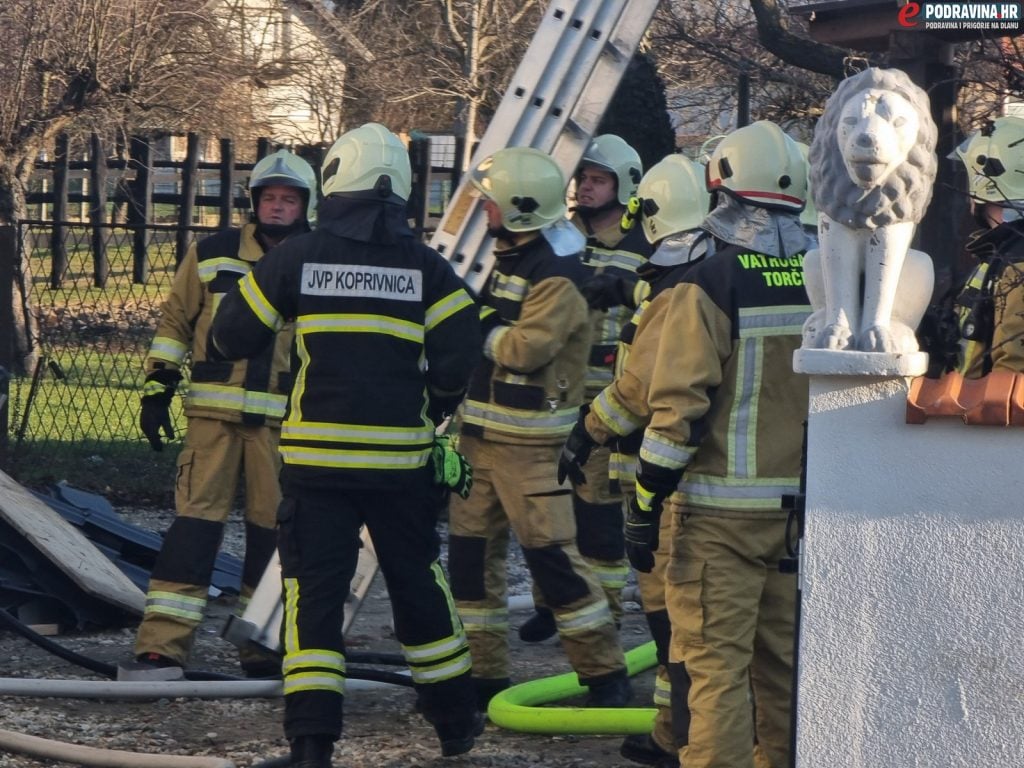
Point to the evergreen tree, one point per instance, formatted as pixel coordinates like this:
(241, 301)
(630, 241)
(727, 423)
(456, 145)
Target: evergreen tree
(638, 112)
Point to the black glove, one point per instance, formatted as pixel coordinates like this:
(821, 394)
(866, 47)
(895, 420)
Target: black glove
(606, 290)
(576, 451)
(489, 320)
(440, 407)
(157, 393)
(642, 534)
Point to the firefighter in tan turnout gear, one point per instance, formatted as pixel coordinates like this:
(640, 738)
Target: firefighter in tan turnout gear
(386, 338)
(606, 180)
(671, 202)
(991, 306)
(722, 447)
(234, 413)
(522, 402)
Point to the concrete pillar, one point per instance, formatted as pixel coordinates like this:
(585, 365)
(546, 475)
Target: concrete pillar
(912, 634)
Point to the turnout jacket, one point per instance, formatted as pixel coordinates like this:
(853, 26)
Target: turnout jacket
(990, 309)
(619, 413)
(254, 391)
(529, 388)
(725, 406)
(611, 251)
(382, 323)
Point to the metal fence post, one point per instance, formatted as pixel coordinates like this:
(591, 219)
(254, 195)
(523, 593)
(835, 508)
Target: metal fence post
(8, 254)
(140, 206)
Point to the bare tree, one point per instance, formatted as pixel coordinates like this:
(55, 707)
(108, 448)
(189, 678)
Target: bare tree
(81, 65)
(440, 63)
(709, 51)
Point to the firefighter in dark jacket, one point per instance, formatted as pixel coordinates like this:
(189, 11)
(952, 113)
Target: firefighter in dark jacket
(606, 180)
(521, 404)
(234, 414)
(991, 307)
(386, 338)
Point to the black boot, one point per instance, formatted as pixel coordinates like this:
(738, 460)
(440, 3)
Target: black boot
(312, 751)
(538, 627)
(642, 748)
(487, 688)
(458, 738)
(611, 691)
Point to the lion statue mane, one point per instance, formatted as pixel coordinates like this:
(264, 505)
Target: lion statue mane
(872, 168)
(902, 196)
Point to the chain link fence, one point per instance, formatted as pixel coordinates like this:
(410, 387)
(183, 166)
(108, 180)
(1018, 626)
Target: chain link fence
(75, 416)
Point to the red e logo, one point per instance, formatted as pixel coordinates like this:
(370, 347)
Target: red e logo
(908, 13)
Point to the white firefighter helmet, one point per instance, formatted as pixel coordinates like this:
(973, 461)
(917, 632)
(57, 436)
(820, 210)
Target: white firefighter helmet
(286, 169)
(994, 157)
(526, 185)
(809, 215)
(672, 197)
(367, 159)
(760, 165)
(612, 154)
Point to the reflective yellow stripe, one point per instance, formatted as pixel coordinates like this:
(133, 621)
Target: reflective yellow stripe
(441, 310)
(515, 421)
(663, 452)
(360, 323)
(605, 257)
(597, 378)
(493, 339)
(610, 576)
(509, 287)
(343, 459)
(229, 398)
(662, 693)
(484, 619)
(436, 650)
(314, 681)
(785, 320)
(168, 349)
(208, 268)
(356, 433)
(263, 309)
(318, 658)
(622, 467)
(737, 493)
(619, 420)
(173, 604)
(445, 670)
(587, 618)
(290, 632)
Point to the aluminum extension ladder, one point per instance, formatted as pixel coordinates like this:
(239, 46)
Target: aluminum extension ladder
(554, 103)
(260, 623)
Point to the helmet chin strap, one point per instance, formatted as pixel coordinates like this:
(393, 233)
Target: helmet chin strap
(501, 233)
(280, 231)
(590, 211)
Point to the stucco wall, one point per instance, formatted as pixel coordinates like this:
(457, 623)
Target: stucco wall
(913, 603)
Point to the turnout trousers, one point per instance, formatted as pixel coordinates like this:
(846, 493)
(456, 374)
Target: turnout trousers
(515, 488)
(600, 528)
(671, 683)
(319, 546)
(733, 622)
(216, 455)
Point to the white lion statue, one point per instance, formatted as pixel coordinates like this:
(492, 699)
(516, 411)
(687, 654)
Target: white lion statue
(872, 170)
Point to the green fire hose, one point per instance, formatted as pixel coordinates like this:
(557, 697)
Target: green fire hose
(518, 708)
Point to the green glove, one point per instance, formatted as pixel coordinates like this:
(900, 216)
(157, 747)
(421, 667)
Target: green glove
(451, 469)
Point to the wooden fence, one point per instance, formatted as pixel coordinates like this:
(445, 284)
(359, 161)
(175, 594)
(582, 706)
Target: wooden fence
(111, 190)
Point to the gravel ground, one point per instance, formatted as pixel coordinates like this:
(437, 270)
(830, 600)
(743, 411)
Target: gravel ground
(382, 729)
